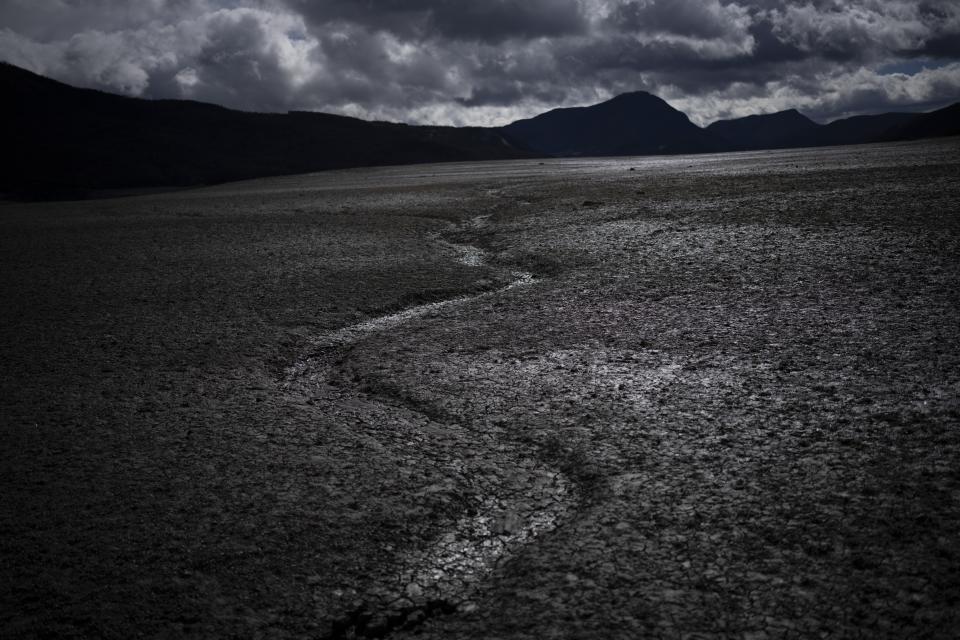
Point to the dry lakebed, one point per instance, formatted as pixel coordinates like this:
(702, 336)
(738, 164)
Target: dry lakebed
(710, 396)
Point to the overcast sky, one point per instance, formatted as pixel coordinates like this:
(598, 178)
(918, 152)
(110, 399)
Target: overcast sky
(489, 62)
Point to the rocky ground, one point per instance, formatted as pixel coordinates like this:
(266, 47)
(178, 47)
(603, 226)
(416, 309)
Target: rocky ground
(687, 397)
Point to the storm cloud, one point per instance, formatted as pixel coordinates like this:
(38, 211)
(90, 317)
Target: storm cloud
(462, 62)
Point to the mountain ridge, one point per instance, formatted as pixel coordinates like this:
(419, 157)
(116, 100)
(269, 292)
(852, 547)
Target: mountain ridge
(636, 123)
(778, 130)
(67, 142)
(64, 141)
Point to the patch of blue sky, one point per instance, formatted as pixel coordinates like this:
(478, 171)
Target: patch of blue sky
(912, 67)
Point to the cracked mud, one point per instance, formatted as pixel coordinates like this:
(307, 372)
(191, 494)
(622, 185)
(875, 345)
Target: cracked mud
(686, 397)
(509, 510)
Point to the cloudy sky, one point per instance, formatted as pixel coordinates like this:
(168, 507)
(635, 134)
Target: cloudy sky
(489, 62)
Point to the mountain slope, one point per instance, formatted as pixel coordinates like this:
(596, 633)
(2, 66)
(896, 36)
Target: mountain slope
(792, 129)
(859, 129)
(769, 131)
(64, 140)
(630, 124)
(60, 141)
(936, 124)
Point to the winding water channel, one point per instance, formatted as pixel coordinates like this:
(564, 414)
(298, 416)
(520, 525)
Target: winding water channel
(530, 500)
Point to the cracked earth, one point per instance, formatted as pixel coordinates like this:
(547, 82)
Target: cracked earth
(688, 397)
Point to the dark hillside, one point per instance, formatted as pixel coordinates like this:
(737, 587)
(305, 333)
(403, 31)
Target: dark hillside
(858, 129)
(769, 131)
(792, 129)
(936, 124)
(631, 124)
(64, 142)
(60, 140)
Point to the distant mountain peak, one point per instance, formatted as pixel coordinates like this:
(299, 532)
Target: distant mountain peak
(792, 113)
(786, 128)
(69, 141)
(635, 98)
(635, 95)
(786, 114)
(634, 123)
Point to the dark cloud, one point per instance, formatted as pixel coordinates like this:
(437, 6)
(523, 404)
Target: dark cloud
(701, 19)
(942, 46)
(768, 48)
(458, 61)
(488, 21)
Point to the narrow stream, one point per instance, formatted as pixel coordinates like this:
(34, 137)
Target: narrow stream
(465, 254)
(526, 502)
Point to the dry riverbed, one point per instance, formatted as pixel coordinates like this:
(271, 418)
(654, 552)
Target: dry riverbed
(706, 396)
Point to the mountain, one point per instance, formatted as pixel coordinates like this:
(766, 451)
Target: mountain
(64, 141)
(769, 131)
(858, 129)
(60, 141)
(936, 124)
(792, 129)
(630, 124)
